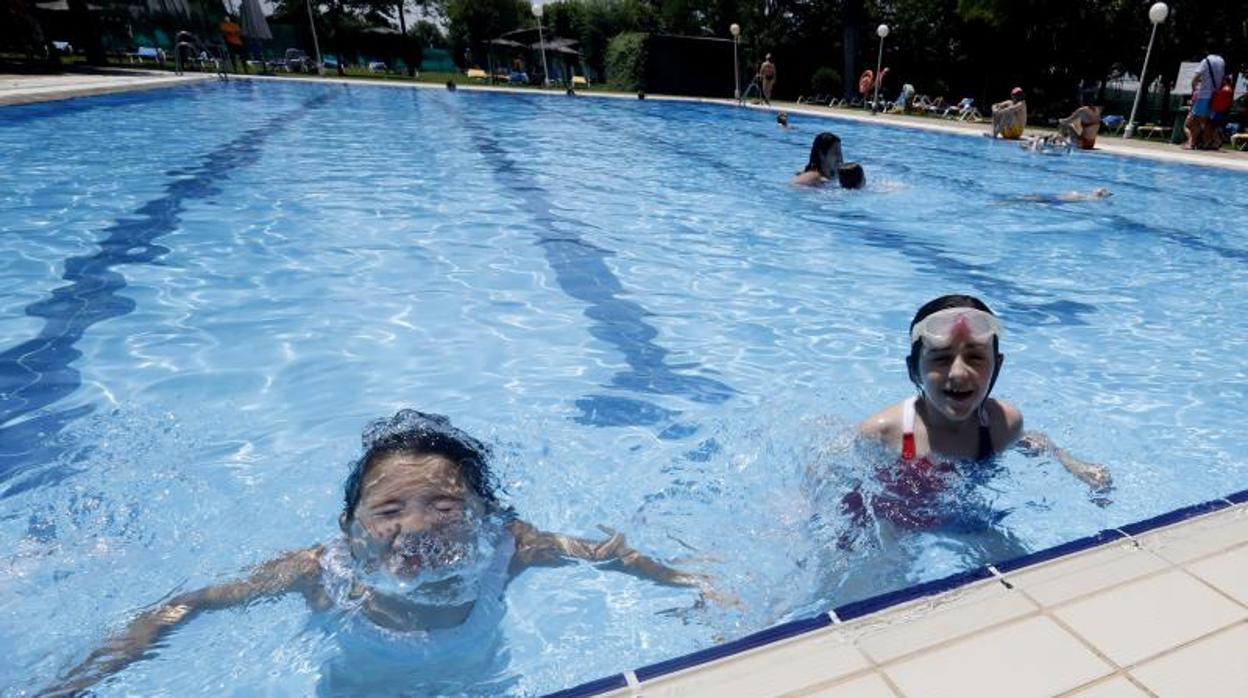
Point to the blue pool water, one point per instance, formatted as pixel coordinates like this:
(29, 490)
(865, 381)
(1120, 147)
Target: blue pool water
(206, 292)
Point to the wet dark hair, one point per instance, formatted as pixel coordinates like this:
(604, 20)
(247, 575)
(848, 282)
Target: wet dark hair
(822, 143)
(851, 176)
(419, 433)
(450, 85)
(944, 303)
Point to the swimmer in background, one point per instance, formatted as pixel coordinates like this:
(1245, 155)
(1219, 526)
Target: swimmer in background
(1067, 197)
(1054, 144)
(426, 547)
(827, 162)
(954, 362)
(782, 119)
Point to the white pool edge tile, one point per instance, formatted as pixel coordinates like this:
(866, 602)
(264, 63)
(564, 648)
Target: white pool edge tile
(858, 630)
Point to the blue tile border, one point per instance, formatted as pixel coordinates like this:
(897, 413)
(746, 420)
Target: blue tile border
(1135, 529)
(749, 642)
(866, 607)
(1238, 497)
(1059, 550)
(874, 604)
(592, 688)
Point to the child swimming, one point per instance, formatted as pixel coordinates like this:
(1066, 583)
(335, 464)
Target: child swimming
(826, 162)
(426, 548)
(954, 362)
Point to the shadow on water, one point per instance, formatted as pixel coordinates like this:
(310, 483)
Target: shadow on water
(40, 372)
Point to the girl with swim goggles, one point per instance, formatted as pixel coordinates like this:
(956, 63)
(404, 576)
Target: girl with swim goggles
(954, 362)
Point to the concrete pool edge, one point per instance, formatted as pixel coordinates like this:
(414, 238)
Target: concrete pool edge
(839, 628)
(17, 91)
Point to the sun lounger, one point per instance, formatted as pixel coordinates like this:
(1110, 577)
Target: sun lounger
(580, 81)
(1113, 124)
(476, 74)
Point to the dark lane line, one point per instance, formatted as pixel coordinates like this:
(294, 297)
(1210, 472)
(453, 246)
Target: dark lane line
(40, 372)
(581, 271)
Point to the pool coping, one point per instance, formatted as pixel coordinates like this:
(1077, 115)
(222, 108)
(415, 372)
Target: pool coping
(1107, 145)
(75, 85)
(644, 677)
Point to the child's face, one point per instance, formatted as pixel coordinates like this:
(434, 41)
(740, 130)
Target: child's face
(409, 505)
(957, 375)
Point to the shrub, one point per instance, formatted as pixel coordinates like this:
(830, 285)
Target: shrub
(626, 61)
(826, 81)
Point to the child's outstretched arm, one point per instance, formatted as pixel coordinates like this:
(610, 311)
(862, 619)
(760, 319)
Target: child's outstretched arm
(537, 548)
(1034, 443)
(296, 571)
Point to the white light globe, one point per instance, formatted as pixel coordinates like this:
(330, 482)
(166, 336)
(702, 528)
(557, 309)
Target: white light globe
(1158, 12)
(882, 30)
(735, 29)
(537, 10)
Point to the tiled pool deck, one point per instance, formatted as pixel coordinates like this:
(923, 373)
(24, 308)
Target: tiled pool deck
(1156, 608)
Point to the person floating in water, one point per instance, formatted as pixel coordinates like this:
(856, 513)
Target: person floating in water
(826, 162)
(1068, 196)
(426, 547)
(954, 362)
(1054, 144)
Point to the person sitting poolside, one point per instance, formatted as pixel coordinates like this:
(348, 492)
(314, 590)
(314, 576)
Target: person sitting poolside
(1009, 117)
(1082, 126)
(427, 549)
(826, 162)
(954, 363)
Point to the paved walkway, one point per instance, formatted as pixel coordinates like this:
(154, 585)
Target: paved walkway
(25, 89)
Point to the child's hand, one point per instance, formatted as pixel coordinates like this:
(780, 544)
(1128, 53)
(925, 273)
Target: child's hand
(705, 584)
(1096, 475)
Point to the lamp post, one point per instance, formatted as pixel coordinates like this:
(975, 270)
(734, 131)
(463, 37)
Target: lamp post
(537, 12)
(880, 31)
(1156, 14)
(735, 29)
(316, 45)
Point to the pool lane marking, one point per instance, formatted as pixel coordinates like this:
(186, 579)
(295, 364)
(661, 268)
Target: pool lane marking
(39, 372)
(925, 257)
(581, 271)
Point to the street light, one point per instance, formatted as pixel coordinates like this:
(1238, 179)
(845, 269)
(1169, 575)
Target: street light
(537, 12)
(880, 31)
(1156, 14)
(316, 45)
(735, 29)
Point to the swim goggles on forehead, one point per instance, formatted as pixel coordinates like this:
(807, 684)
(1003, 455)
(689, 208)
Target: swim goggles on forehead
(940, 328)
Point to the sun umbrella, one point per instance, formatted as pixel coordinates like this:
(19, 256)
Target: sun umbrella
(254, 24)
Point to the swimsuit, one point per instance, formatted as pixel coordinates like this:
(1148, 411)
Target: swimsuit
(915, 492)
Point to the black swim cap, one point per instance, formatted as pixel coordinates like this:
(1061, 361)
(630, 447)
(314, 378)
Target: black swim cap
(420, 433)
(851, 176)
(936, 305)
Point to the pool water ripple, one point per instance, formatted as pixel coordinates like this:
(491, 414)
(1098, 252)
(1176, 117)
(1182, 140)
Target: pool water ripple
(627, 299)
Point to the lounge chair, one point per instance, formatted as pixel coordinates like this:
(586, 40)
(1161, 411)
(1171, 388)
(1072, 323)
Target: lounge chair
(476, 74)
(580, 81)
(963, 111)
(143, 53)
(1113, 124)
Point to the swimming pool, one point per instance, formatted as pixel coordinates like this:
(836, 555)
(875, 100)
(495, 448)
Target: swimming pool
(206, 292)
